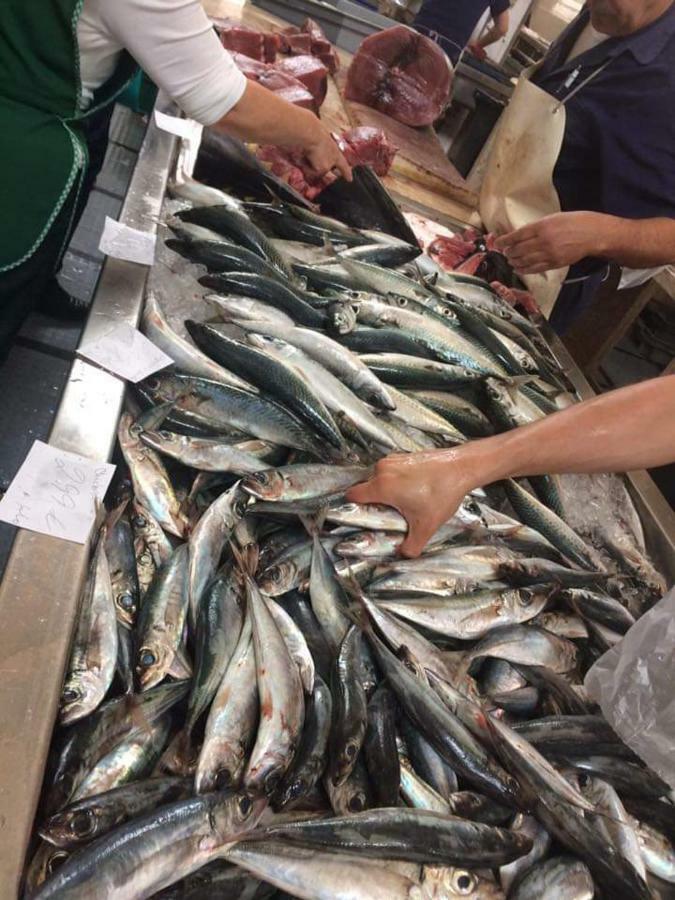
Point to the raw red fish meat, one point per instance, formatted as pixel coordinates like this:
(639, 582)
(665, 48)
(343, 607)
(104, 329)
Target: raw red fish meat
(298, 41)
(310, 71)
(310, 39)
(366, 146)
(361, 146)
(450, 252)
(515, 297)
(279, 82)
(402, 74)
(243, 40)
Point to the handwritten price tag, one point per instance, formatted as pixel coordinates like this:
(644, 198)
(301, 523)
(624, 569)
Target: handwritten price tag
(54, 492)
(126, 352)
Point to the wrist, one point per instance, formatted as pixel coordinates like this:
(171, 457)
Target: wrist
(609, 235)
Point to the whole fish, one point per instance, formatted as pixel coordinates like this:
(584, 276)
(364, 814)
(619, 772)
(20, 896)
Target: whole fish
(470, 616)
(557, 878)
(362, 339)
(407, 371)
(328, 597)
(232, 721)
(208, 540)
(152, 486)
(350, 715)
(223, 256)
(406, 834)
(282, 705)
(129, 761)
(94, 654)
(147, 854)
(270, 375)
(600, 607)
(280, 220)
(224, 407)
(385, 255)
(283, 298)
(237, 227)
(310, 760)
(85, 820)
(333, 356)
(337, 397)
(184, 354)
(160, 625)
(303, 482)
(119, 550)
(417, 415)
(379, 747)
(213, 455)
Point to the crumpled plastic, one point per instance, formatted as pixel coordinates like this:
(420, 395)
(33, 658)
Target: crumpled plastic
(633, 684)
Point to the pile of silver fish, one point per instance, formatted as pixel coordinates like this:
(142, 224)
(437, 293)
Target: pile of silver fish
(263, 698)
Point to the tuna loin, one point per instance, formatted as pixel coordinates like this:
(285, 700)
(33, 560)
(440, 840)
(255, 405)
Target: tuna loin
(402, 74)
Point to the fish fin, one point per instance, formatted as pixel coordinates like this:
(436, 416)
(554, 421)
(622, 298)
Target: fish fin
(313, 524)
(244, 561)
(181, 667)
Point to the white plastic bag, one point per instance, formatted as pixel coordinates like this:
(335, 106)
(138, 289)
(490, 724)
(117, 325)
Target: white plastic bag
(634, 684)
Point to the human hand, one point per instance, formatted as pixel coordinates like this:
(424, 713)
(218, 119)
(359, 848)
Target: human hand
(555, 241)
(324, 155)
(477, 50)
(426, 488)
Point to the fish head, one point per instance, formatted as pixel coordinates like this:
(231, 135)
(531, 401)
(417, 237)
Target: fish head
(71, 826)
(268, 484)
(76, 692)
(343, 758)
(45, 863)
(342, 317)
(268, 344)
(151, 664)
(235, 814)
(448, 883)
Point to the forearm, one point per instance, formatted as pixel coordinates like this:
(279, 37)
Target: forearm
(637, 243)
(631, 428)
(490, 37)
(262, 117)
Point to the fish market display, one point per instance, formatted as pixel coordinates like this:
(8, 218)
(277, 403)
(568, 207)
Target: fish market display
(263, 698)
(402, 74)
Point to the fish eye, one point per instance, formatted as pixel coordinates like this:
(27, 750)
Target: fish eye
(56, 860)
(82, 823)
(146, 658)
(357, 803)
(350, 751)
(275, 574)
(70, 695)
(166, 435)
(140, 521)
(126, 601)
(245, 805)
(261, 477)
(223, 779)
(152, 383)
(464, 882)
(145, 558)
(240, 508)
(135, 429)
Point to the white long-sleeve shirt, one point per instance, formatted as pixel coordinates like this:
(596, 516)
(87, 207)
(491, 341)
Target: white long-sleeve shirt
(173, 42)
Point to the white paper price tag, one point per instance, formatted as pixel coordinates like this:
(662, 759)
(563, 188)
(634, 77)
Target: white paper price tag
(55, 492)
(123, 242)
(126, 352)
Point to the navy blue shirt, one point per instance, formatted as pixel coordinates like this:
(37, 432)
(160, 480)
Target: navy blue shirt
(618, 153)
(455, 20)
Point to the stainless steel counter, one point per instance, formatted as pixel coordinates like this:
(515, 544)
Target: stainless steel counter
(41, 587)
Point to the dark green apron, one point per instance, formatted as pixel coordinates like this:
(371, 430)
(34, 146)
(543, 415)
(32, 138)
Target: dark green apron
(43, 155)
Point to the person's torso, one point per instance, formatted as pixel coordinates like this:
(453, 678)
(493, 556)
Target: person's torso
(453, 20)
(618, 129)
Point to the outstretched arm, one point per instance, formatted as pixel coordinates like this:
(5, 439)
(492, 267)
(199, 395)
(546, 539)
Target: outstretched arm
(631, 428)
(262, 117)
(562, 239)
